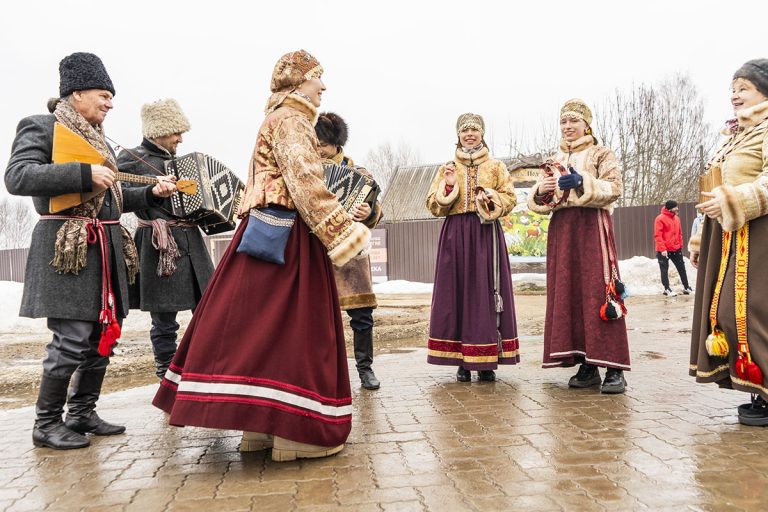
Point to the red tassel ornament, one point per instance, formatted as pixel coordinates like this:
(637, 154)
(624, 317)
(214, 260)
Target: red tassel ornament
(746, 369)
(110, 333)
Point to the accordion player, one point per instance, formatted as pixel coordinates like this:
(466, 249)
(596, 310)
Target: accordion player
(214, 207)
(351, 187)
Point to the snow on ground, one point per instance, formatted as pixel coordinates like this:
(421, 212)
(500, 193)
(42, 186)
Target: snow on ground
(399, 286)
(11, 322)
(640, 274)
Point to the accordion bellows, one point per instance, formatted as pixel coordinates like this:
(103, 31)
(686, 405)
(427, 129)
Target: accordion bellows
(214, 207)
(351, 187)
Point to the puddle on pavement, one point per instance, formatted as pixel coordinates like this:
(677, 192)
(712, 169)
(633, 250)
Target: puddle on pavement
(27, 395)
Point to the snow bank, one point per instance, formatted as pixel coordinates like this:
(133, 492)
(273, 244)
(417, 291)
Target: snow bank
(640, 274)
(399, 286)
(642, 277)
(10, 301)
(11, 322)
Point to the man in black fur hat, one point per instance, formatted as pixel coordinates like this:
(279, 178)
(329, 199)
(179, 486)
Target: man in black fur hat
(353, 280)
(80, 260)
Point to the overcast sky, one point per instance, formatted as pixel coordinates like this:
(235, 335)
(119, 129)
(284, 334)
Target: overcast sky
(396, 70)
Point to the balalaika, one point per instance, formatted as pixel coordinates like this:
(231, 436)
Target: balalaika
(214, 207)
(351, 187)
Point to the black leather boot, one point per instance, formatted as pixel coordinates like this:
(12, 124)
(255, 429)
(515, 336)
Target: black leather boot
(486, 376)
(587, 376)
(463, 375)
(162, 363)
(81, 416)
(755, 413)
(49, 430)
(614, 382)
(363, 345)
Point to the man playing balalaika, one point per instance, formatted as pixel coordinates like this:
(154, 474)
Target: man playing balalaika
(80, 259)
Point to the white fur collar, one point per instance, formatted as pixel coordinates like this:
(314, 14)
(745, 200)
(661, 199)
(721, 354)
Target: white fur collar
(753, 115)
(577, 145)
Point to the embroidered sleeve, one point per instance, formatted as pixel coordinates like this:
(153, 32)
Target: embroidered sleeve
(295, 149)
(604, 188)
(505, 189)
(439, 201)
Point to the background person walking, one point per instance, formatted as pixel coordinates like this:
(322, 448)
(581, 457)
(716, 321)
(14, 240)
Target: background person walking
(668, 235)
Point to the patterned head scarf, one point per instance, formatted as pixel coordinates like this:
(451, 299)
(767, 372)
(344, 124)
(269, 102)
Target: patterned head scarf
(470, 120)
(577, 108)
(293, 69)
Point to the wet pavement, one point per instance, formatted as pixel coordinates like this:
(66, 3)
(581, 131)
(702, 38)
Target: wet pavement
(424, 442)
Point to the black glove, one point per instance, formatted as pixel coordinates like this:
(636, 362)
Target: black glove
(569, 181)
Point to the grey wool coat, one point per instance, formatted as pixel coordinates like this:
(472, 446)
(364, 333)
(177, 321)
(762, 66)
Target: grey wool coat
(31, 173)
(182, 290)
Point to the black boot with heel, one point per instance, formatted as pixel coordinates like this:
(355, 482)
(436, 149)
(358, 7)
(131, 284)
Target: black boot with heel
(81, 414)
(49, 430)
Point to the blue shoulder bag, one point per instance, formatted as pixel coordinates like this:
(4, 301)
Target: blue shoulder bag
(266, 234)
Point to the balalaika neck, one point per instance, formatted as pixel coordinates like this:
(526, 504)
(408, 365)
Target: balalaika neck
(135, 178)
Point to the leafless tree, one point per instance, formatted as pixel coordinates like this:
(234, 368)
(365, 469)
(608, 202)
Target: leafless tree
(524, 141)
(659, 135)
(385, 159)
(17, 219)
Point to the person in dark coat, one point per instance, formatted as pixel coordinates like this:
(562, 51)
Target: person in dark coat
(175, 266)
(80, 260)
(353, 280)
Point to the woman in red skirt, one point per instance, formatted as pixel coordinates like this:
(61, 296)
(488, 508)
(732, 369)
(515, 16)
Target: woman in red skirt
(581, 255)
(265, 351)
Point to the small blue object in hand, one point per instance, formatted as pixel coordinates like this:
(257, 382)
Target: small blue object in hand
(569, 181)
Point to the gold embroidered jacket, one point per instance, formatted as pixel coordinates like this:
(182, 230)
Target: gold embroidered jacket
(472, 171)
(597, 166)
(286, 170)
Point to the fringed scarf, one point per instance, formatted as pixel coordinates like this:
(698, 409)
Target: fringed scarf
(71, 248)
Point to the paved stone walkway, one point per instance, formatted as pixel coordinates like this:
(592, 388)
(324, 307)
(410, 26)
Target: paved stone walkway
(427, 443)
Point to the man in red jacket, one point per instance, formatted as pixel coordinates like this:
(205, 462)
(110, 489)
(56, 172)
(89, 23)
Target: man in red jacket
(668, 235)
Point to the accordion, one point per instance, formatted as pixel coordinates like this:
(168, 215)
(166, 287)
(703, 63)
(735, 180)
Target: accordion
(351, 187)
(214, 207)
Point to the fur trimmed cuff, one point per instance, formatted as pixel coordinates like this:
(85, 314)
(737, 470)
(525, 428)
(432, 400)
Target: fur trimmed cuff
(361, 300)
(732, 212)
(594, 192)
(533, 205)
(498, 208)
(352, 242)
(694, 244)
(446, 200)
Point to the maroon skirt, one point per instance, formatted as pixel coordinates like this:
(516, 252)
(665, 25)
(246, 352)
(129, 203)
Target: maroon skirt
(265, 349)
(574, 333)
(462, 323)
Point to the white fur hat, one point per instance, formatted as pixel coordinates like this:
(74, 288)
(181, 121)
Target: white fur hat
(163, 117)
